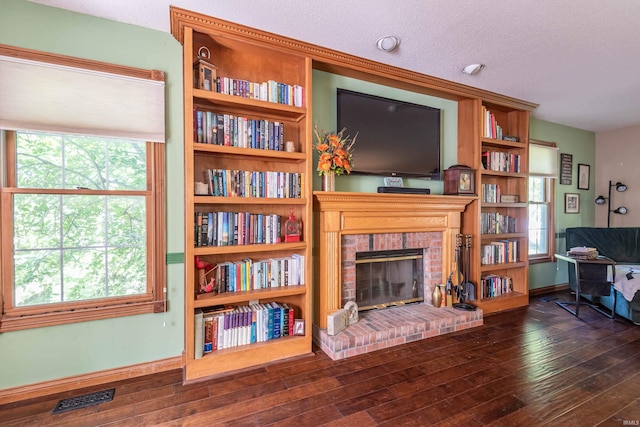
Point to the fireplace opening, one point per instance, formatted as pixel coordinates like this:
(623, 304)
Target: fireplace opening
(388, 278)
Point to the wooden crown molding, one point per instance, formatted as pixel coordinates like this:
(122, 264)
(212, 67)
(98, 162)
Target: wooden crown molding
(339, 62)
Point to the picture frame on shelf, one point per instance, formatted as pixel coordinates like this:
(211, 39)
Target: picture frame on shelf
(298, 327)
(584, 172)
(571, 203)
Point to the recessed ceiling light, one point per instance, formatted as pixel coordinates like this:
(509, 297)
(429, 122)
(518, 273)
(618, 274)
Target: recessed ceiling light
(387, 43)
(473, 69)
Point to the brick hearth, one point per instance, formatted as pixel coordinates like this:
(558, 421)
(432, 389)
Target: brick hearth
(378, 329)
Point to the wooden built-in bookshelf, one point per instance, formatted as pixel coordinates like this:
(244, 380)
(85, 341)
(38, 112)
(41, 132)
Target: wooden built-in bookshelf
(472, 143)
(242, 58)
(252, 55)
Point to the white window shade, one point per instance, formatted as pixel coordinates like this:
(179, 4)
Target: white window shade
(543, 160)
(47, 97)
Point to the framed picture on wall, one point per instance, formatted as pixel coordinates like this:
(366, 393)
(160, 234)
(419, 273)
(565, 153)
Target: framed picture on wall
(566, 168)
(583, 176)
(571, 203)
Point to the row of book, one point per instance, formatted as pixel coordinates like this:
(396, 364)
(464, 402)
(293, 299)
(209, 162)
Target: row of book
(500, 252)
(222, 228)
(491, 128)
(270, 91)
(490, 193)
(249, 275)
(501, 161)
(493, 285)
(242, 183)
(228, 327)
(236, 131)
(497, 223)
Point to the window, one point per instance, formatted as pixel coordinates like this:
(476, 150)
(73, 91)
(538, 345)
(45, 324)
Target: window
(541, 233)
(83, 225)
(542, 170)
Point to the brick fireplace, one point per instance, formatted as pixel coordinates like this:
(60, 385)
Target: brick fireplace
(348, 223)
(430, 244)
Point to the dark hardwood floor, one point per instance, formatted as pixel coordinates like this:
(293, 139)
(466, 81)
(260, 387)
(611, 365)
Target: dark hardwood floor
(528, 367)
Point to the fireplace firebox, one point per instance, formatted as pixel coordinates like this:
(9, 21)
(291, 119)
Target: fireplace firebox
(389, 278)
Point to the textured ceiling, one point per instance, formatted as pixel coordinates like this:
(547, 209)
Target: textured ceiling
(578, 59)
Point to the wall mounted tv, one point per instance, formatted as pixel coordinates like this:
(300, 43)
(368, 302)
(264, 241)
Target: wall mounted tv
(395, 138)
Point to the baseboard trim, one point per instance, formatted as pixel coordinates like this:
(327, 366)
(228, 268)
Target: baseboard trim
(15, 394)
(548, 289)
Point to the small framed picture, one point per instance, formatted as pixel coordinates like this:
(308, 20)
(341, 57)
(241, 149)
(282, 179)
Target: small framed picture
(571, 203)
(583, 176)
(298, 327)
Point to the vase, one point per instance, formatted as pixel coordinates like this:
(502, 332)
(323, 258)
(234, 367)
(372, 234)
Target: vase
(443, 292)
(436, 296)
(329, 181)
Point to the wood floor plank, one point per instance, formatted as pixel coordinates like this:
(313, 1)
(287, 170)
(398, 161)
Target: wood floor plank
(533, 366)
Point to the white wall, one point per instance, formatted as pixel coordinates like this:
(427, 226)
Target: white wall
(618, 159)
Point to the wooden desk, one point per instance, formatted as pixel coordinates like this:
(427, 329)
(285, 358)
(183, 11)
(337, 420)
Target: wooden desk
(589, 285)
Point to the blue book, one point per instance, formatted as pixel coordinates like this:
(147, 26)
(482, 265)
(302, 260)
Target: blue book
(269, 322)
(200, 133)
(277, 319)
(225, 228)
(260, 226)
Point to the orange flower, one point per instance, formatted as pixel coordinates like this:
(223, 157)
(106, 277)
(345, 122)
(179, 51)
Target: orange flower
(335, 152)
(325, 157)
(324, 166)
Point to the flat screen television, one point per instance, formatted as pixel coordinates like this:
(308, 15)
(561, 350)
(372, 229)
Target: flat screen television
(395, 138)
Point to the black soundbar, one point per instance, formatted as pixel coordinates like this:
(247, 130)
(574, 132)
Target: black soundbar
(404, 190)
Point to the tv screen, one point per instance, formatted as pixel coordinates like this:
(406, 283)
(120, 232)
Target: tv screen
(395, 138)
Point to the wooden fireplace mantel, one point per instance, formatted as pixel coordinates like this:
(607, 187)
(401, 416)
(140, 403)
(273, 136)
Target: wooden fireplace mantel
(340, 213)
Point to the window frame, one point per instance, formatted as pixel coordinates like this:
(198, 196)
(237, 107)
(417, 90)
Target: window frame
(549, 183)
(152, 301)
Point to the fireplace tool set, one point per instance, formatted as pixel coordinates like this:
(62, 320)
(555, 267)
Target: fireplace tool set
(465, 290)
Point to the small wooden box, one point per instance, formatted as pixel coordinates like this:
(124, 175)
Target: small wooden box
(459, 180)
(509, 198)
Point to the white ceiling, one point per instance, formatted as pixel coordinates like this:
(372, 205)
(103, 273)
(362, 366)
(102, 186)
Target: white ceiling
(578, 59)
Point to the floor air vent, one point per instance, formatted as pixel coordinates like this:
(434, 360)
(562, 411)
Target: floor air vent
(85, 400)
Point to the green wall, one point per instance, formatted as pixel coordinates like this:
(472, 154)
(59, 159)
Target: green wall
(42, 354)
(582, 145)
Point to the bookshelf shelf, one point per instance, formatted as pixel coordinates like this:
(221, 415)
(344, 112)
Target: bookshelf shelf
(485, 268)
(504, 205)
(499, 236)
(231, 124)
(250, 152)
(249, 249)
(499, 143)
(235, 358)
(249, 105)
(217, 200)
(208, 300)
(505, 301)
(504, 174)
